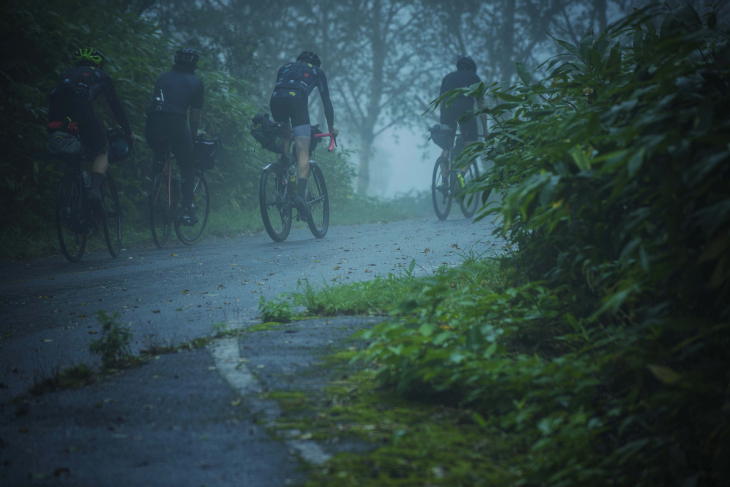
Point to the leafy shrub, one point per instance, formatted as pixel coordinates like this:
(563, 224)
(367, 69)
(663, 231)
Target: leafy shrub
(114, 344)
(606, 354)
(277, 311)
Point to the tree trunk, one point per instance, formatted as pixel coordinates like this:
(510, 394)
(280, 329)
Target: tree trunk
(508, 39)
(367, 133)
(600, 6)
(363, 174)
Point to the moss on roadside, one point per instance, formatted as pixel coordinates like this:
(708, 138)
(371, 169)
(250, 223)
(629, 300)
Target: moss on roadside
(416, 442)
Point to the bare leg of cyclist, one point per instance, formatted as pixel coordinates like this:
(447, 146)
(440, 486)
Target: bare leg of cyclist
(287, 134)
(302, 145)
(98, 171)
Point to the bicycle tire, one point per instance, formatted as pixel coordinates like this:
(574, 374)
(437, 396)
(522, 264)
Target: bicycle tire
(70, 228)
(441, 193)
(162, 206)
(276, 208)
(471, 199)
(318, 201)
(113, 216)
(201, 197)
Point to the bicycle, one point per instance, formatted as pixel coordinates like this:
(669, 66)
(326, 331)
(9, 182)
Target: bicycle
(165, 200)
(74, 214)
(446, 183)
(277, 190)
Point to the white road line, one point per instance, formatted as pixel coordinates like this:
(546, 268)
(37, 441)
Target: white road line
(228, 362)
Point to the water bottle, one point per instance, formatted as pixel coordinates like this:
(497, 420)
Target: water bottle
(293, 184)
(87, 180)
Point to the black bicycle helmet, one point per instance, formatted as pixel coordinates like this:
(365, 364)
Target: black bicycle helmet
(187, 57)
(89, 55)
(466, 63)
(310, 57)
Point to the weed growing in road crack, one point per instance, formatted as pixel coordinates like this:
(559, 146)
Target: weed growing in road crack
(114, 345)
(277, 311)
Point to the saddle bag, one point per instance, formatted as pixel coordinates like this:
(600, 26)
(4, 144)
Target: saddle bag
(442, 135)
(64, 146)
(267, 133)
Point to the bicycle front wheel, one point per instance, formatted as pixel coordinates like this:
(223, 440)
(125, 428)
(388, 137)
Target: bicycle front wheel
(318, 201)
(276, 209)
(470, 201)
(162, 209)
(69, 218)
(189, 234)
(441, 188)
(113, 215)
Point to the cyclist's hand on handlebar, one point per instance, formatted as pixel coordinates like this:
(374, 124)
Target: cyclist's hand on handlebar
(201, 133)
(334, 131)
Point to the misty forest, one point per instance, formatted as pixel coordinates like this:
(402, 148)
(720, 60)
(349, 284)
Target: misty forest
(543, 303)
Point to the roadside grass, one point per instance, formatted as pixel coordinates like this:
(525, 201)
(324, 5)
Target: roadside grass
(397, 294)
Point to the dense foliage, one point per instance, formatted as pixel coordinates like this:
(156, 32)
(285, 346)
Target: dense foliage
(605, 354)
(39, 40)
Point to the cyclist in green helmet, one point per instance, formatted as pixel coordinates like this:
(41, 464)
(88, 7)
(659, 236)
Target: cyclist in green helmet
(72, 100)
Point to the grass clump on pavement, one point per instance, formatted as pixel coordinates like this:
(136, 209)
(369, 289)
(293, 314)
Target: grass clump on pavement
(396, 294)
(114, 344)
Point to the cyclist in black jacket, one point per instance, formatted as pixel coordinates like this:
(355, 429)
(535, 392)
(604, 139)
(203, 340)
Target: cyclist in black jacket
(464, 76)
(167, 118)
(72, 100)
(294, 82)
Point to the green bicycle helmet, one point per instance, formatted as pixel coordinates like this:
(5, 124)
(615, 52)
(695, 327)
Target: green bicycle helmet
(89, 54)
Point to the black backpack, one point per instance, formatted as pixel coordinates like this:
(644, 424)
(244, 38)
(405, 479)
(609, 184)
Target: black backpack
(267, 133)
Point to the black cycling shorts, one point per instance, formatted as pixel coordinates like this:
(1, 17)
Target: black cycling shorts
(285, 107)
(81, 110)
(162, 129)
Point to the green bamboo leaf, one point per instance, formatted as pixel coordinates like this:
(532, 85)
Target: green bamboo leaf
(523, 74)
(664, 374)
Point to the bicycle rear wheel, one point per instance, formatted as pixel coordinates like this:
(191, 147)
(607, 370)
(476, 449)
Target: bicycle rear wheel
(276, 209)
(189, 234)
(470, 202)
(318, 201)
(113, 215)
(163, 206)
(441, 188)
(69, 217)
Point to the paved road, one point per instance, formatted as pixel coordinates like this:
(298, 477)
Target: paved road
(178, 409)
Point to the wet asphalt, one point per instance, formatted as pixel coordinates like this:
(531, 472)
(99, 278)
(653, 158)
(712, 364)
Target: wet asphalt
(177, 420)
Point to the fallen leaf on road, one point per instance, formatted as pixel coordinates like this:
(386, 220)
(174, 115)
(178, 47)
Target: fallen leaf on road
(236, 403)
(92, 332)
(336, 267)
(221, 287)
(47, 340)
(260, 366)
(316, 261)
(306, 436)
(61, 470)
(427, 250)
(212, 367)
(155, 311)
(185, 292)
(368, 270)
(174, 255)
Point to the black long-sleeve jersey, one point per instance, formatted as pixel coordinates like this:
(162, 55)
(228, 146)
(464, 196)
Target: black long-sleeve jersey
(176, 91)
(457, 79)
(90, 82)
(299, 79)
